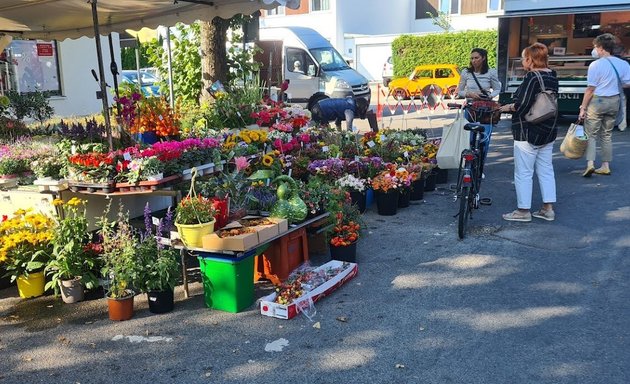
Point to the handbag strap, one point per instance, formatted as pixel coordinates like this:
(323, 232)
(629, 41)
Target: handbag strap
(618, 77)
(485, 93)
(540, 80)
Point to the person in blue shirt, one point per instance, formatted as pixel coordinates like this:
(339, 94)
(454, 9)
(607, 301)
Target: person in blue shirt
(327, 110)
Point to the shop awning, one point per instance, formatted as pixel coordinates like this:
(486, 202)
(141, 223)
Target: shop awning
(61, 19)
(521, 8)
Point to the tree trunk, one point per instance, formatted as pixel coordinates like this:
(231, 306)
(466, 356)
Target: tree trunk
(213, 54)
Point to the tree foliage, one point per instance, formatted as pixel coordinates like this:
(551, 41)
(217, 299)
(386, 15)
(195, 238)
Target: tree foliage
(409, 51)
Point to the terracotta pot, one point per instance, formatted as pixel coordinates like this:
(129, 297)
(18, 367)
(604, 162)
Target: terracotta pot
(71, 290)
(121, 308)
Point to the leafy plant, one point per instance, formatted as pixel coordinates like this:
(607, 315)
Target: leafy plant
(195, 210)
(71, 258)
(33, 104)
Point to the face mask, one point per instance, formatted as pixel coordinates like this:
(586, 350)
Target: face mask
(594, 53)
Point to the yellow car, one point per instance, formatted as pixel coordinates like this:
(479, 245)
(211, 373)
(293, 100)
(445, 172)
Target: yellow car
(446, 76)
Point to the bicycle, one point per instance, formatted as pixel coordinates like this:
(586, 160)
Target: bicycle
(470, 170)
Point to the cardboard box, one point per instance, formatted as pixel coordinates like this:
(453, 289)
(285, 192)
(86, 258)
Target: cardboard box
(265, 232)
(283, 224)
(231, 243)
(269, 308)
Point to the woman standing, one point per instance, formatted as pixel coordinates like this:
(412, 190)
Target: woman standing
(533, 143)
(600, 104)
(479, 82)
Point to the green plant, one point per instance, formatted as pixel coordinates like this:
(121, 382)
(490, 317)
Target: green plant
(451, 47)
(119, 253)
(25, 242)
(48, 166)
(195, 210)
(159, 269)
(71, 258)
(12, 166)
(33, 104)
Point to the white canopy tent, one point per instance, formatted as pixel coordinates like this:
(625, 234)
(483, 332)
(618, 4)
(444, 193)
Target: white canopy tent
(62, 19)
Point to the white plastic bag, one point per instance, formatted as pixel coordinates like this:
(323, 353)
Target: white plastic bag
(454, 140)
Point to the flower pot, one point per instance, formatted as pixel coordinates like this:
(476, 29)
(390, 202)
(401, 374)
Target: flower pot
(417, 190)
(120, 308)
(191, 234)
(441, 176)
(369, 197)
(161, 301)
(156, 177)
(222, 207)
(403, 199)
(31, 285)
(71, 290)
(344, 253)
(387, 203)
(430, 181)
(359, 199)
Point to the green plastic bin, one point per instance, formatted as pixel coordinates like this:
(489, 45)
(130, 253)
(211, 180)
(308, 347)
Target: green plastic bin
(228, 284)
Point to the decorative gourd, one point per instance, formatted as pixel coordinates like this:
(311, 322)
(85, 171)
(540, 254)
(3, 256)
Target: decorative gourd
(289, 205)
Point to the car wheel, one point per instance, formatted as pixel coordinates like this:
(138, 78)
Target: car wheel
(399, 93)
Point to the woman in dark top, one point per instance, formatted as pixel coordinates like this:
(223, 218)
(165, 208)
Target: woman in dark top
(533, 143)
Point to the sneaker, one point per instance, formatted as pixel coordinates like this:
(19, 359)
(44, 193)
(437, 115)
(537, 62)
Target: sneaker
(588, 171)
(518, 216)
(548, 215)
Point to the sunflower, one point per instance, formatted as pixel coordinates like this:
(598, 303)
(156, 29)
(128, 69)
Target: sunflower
(267, 160)
(254, 136)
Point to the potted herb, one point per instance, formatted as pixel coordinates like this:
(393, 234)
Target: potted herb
(72, 264)
(159, 270)
(25, 249)
(120, 265)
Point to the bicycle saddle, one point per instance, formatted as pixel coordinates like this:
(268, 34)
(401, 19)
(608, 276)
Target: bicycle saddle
(476, 127)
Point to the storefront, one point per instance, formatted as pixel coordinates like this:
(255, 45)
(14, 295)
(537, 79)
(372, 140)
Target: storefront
(568, 32)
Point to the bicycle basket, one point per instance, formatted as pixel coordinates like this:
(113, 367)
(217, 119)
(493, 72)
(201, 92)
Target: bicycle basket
(486, 111)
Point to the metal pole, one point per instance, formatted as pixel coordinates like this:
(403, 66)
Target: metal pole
(138, 76)
(101, 74)
(171, 100)
(113, 67)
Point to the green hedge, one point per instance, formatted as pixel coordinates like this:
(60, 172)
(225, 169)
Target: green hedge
(409, 51)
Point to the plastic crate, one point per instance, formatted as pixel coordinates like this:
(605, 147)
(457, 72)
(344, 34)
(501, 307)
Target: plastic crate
(228, 284)
(282, 257)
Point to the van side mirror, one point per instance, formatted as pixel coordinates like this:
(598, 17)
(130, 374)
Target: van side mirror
(311, 70)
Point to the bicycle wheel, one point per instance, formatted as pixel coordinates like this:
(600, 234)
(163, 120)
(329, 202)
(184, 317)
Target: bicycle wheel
(464, 212)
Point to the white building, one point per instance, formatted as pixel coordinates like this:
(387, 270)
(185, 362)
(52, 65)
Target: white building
(363, 30)
(62, 68)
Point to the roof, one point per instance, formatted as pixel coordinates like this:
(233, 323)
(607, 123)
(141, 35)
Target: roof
(60, 19)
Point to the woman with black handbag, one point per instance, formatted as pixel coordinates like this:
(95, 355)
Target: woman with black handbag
(533, 141)
(480, 83)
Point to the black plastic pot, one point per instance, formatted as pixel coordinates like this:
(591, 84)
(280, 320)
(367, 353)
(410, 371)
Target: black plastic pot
(387, 203)
(442, 176)
(161, 301)
(359, 199)
(403, 199)
(344, 253)
(430, 181)
(417, 190)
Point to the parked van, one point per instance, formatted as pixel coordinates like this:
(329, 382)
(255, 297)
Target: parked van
(313, 67)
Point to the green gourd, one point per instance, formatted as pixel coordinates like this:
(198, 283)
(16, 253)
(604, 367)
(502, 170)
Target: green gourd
(289, 205)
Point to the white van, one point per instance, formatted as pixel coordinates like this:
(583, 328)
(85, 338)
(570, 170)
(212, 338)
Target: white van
(314, 69)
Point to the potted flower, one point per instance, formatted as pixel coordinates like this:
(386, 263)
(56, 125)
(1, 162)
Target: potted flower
(405, 179)
(316, 194)
(195, 218)
(386, 187)
(25, 248)
(159, 270)
(120, 265)
(72, 264)
(357, 189)
(144, 168)
(345, 233)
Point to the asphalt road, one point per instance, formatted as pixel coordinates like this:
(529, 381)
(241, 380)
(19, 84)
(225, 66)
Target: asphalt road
(539, 302)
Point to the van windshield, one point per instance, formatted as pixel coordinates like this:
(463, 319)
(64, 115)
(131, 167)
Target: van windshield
(329, 59)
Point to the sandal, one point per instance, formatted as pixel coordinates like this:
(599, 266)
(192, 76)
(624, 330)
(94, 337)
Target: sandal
(588, 172)
(545, 214)
(518, 216)
(601, 171)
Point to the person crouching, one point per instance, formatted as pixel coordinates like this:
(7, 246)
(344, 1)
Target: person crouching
(327, 110)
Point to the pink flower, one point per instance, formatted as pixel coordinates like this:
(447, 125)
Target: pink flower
(241, 163)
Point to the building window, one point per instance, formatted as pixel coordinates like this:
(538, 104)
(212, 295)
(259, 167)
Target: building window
(276, 11)
(29, 66)
(320, 5)
(494, 5)
(450, 7)
(423, 7)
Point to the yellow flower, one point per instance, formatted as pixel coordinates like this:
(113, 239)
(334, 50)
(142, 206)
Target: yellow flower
(254, 136)
(267, 160)
(57, 202)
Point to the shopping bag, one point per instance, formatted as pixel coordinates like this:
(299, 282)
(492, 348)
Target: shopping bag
(575, 142)
(454, 140)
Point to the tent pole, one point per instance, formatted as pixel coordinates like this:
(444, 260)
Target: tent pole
(101, 74)
(170, 67)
